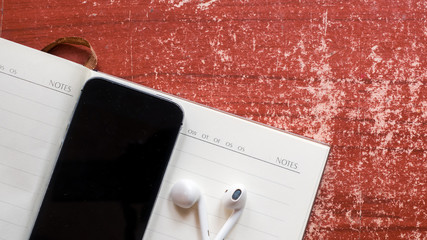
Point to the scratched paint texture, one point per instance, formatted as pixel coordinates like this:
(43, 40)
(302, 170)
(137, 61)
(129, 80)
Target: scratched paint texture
(349, 73)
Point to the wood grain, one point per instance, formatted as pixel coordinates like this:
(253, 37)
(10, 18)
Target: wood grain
(349, 73)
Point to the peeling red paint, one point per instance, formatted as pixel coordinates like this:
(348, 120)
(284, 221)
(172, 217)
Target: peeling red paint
(350, 73)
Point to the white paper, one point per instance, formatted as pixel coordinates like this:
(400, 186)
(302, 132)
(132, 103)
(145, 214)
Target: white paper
(280, 170)
(36, 101)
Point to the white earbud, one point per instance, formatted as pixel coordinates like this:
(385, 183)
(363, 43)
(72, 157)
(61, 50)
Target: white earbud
(185, 194)
(235, 199)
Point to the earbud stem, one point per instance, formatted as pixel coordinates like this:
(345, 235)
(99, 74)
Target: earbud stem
(203, 218)
(231, 221)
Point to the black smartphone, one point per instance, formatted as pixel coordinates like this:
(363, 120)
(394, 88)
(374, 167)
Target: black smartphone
(110, 166)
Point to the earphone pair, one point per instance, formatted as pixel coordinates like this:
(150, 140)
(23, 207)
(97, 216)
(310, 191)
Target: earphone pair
(185, 193)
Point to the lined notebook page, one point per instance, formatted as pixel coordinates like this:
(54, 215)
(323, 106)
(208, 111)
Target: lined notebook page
(281, 172)
(36, 101)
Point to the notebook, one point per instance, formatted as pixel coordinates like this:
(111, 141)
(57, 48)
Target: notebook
(280, 170)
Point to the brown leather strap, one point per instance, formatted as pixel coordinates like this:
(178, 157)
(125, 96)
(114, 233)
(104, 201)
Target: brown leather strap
(93, 59)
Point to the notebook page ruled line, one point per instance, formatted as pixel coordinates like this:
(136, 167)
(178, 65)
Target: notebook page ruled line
(238, 152)
(246, 228)
(12, 223)
(15, 150)
(38, 93)
(201, 169)
(187, 227)
(32, 100)
(22, 131)
(234, 168)
(214, 167)
(35, 107)
(265, 197)
(205, 158)
(17, 114)
(18, 180)
(10, 231)
(14, 215)
(271, 202)
(259, 227)
(26, 128)
(35, 83)
(10, 200)
(28, 108)
(158, 235)
(216, 175)
(28, 145)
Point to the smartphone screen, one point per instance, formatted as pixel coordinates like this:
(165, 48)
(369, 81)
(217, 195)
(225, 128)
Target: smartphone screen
(110, 166)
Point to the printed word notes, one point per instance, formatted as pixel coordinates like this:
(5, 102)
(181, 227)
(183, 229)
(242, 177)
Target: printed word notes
(36, 102)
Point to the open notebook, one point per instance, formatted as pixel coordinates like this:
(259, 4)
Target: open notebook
(281, 171)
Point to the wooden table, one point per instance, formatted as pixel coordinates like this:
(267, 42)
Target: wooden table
(348, 73)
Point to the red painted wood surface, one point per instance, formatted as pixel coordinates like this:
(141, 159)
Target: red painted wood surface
(349, 73)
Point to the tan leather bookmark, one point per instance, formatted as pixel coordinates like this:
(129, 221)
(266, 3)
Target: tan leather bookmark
(92, 60)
